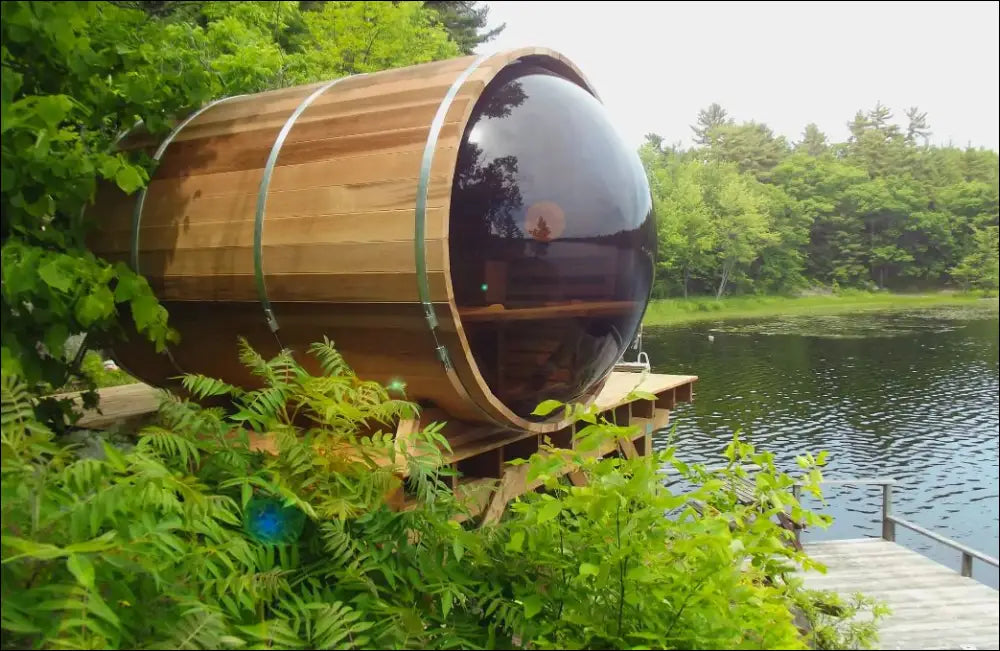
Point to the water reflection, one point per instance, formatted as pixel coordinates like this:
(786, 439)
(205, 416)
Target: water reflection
(551, 238)
(916, 400)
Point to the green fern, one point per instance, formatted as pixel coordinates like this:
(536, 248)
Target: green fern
(147, 546)
(202, 387)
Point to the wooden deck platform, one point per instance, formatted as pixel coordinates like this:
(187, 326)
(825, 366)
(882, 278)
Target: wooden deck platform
(934, 607)
(480, 453)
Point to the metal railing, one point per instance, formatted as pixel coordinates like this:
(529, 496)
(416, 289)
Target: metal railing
(889, 521)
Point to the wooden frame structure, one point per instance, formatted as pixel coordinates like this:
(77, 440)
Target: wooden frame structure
(486, 482)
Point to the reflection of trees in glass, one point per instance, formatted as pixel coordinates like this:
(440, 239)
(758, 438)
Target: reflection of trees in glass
(485, 197)
(501, 103)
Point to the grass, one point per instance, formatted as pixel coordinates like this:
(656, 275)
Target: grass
(92, 367)
(674, 311)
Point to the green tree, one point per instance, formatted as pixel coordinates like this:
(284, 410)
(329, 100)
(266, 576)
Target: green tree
(917, 126)
(709, 119)
(980, 268)
(465, 22)
(685, 226)
(752, 146)
(813, 141)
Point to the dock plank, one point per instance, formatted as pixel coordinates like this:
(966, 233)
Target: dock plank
(933, 606)
(117, 404)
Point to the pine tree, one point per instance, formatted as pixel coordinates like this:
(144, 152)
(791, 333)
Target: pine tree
(709, 119)
(917, 126)
(813, 141)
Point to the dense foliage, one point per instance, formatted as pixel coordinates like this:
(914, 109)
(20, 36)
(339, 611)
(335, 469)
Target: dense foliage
(194, 537)
(746, 211)
(77, 75)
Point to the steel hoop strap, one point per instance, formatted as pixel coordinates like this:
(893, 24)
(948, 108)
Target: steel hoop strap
(420, 233)
(265, 184)
(141, 200)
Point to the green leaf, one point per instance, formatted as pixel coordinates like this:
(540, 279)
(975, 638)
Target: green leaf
(446, 603)
(145, 311)
(516, 542)
(110, 167)
(128, 179)
(31, 548)
(588, 569)
(114, 457)
(246, 493)
(53, 108)
(54, 276)
(99, 607)
(102, 542)
(458, 548)
(551, 509)
(55, 338)
(532, 606)
(546, 407)
(82, 569)
(96, 306)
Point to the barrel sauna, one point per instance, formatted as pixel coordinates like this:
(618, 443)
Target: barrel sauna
(474, 228)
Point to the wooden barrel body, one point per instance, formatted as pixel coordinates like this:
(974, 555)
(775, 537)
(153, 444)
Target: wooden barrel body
(383, 211)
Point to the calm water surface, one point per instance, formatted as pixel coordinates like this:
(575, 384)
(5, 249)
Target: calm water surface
(913, 396)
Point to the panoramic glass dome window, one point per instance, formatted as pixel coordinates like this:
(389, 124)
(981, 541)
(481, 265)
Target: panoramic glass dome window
(551, 238)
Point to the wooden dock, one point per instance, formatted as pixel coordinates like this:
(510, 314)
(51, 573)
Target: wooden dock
(933, 606)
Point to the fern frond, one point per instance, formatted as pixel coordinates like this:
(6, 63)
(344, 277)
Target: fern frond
(202, 386)
(330, 359)
(252, 359)
(16, 403)
(201, 627)
(168, 445)
(337, 626)
(84, 474)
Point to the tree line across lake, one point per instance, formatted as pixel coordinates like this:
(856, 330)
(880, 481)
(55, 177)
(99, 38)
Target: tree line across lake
(746, 211)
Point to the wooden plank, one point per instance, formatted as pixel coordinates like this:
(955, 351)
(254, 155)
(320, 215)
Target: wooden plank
(332, 288)
(494, 313)
(331, 200)
(621, 383)
(375, 226)
(302, 257)
(932, 605)
(117, 404)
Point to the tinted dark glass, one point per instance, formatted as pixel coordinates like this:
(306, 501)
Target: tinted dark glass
(552, 239)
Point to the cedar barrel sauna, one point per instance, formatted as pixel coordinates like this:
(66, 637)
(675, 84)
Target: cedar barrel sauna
(474, 228)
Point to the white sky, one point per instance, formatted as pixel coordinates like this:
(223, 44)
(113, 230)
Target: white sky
(655, 64)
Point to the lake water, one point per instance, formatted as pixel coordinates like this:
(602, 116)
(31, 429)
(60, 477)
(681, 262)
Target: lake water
(912, 396)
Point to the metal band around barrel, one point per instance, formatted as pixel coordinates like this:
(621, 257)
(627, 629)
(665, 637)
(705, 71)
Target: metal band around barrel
(141, 199)
(265, 183)
(420, 230)
(420, 215)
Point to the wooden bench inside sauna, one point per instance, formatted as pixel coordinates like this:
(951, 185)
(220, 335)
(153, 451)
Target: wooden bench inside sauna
(474, 228)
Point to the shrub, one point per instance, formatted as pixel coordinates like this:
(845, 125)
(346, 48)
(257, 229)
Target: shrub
(198, 538)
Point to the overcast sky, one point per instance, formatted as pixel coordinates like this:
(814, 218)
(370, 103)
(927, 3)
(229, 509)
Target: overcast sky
(656, 63)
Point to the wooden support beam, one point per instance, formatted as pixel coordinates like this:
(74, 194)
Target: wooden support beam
(628, 449)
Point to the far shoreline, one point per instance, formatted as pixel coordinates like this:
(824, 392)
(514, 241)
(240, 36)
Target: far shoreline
(677, 311)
